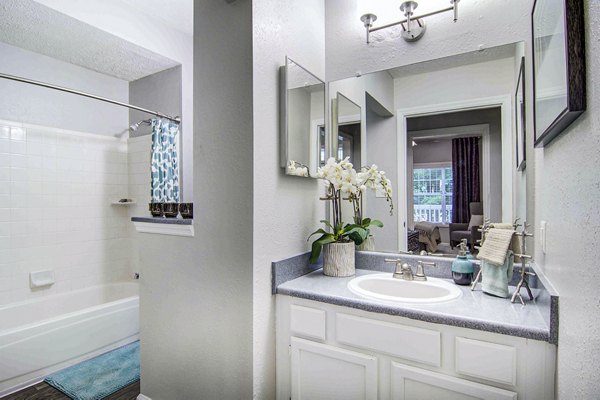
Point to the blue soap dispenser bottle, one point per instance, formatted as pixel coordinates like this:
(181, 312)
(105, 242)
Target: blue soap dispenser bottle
(462, 268)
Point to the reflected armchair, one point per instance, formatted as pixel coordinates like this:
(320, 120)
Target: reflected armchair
(459, 231)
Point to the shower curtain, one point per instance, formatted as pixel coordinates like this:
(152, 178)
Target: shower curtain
(165, 161)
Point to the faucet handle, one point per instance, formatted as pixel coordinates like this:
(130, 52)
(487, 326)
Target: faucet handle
(400, 267)
(420, 274)
(392, 260)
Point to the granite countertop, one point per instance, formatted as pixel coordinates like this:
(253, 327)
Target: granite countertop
(474, 309)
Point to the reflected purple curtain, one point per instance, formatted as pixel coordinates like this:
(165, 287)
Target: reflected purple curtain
(465, 177)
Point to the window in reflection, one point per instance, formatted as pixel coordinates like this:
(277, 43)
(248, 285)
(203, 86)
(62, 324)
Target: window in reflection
(432, 190)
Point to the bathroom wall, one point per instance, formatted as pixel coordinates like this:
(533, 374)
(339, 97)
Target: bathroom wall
(286, 208)
(566, 197)
(381, 150)
(433, 152)
(139, 164)
(138, 24)
(36, 105)
(56, 189)
(158, 92)
(299, 124)
(561, 178)
(196, 313)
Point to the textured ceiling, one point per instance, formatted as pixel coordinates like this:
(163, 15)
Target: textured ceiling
(494, 53)
(34, 27)
(176, 14)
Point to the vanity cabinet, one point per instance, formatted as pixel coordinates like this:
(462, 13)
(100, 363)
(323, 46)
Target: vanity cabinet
(323, 372)
(331, 352)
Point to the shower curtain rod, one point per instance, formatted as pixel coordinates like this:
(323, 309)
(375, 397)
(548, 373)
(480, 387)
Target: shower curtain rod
(91, 96)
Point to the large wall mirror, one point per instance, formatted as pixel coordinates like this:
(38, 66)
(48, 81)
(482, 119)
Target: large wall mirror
(444, 132)
(303, 140)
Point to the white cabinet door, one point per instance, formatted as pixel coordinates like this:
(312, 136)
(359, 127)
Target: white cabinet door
(410, 383)
(325, 372)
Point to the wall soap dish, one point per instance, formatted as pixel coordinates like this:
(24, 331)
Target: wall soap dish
(41, 278)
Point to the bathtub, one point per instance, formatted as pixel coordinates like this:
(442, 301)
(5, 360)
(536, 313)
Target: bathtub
(46, 334)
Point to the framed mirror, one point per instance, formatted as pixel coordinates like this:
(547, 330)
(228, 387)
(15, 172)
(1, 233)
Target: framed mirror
(558, 67)
(347, 123)
(520, 118)
(302, 131)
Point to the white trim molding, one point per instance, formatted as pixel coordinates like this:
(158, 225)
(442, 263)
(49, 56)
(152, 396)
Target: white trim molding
(505, 104)
(142, 397)
(164, 229)
(479, 130)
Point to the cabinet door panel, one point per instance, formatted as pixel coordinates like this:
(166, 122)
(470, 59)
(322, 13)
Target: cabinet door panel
(491, 361)
(306, 321)
(415, 344)
(325, 372)
(410, 383)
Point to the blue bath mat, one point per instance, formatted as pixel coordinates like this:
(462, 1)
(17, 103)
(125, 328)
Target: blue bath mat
(98, 377)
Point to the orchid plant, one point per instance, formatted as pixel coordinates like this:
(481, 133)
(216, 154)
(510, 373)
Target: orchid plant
(370, 178)
(344, 183)
(297, 169)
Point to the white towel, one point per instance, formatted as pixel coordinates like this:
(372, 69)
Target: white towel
(515, 244)
(495, 246)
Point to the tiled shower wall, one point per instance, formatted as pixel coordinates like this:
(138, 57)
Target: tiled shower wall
(56, 189)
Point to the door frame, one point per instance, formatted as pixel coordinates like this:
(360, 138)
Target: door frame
(505, 104)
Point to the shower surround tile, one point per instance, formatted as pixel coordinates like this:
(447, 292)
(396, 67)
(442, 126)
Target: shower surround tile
(56, 188)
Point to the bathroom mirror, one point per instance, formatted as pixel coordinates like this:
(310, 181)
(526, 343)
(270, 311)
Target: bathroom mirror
(444, 132)
(303, 140)
(347, 123)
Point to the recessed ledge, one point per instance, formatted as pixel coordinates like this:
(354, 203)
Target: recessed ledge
(164, 226)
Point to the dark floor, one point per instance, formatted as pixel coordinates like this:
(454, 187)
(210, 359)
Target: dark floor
(43, 391)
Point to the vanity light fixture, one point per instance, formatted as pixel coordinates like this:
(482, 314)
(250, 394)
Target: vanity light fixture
(410, 31)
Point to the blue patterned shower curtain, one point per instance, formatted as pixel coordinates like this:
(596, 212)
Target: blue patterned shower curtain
(165, 161)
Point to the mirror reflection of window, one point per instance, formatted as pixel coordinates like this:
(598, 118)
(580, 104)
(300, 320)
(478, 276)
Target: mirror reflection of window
(322, 148)
(349, 143)
(432, 191)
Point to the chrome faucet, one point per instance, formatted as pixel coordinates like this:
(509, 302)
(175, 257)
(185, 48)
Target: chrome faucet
(420, 274)
(402, 271)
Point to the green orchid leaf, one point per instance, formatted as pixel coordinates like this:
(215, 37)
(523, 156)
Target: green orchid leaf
(377, 223)
(358, 234)
(320, 230)
(318, 245)
(327, 223)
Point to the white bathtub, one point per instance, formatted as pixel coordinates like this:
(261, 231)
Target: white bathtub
(40, 336)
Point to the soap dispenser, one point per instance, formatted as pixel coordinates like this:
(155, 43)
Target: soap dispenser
(462, 268)
(469, 255)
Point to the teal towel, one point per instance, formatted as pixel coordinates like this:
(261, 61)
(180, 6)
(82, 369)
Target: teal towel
(495, 278)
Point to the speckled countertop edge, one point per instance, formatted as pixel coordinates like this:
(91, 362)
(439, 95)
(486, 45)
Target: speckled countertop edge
(548, 300)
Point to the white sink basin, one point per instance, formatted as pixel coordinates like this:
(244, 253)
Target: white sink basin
(385, 287)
